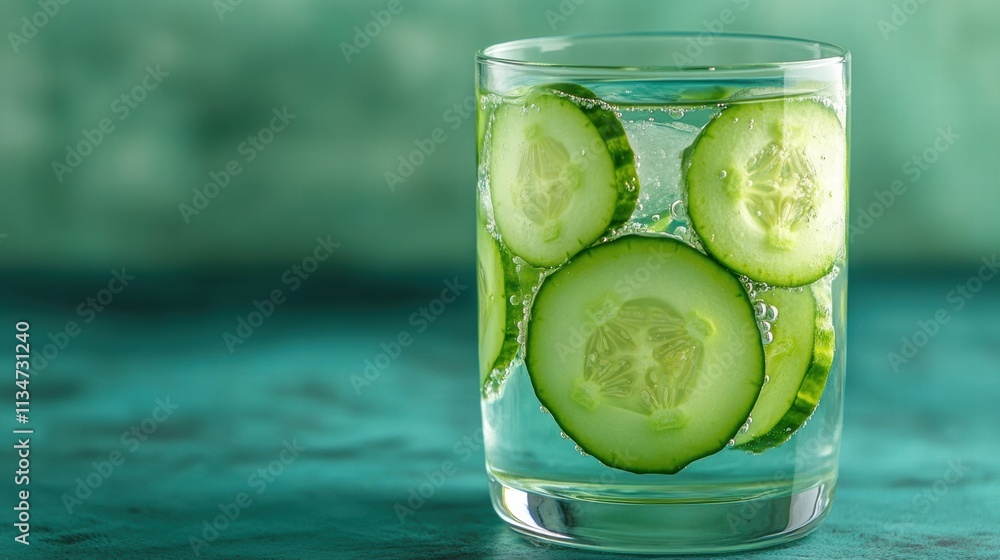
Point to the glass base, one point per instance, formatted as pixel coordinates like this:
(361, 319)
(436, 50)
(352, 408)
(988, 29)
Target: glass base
(673, 528)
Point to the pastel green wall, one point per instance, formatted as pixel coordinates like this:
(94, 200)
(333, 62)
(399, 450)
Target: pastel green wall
(324, 174)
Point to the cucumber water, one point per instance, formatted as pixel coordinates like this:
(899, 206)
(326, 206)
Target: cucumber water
(685, 245)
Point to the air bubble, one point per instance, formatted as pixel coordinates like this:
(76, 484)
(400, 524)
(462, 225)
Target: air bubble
(563, 435)
(543, 409)
(731, 443)
(655, 218)
(514, 300)
(677, 210)
(767, 337)
(759, 309)
(772, 313)
(675, 112)
(766, 378)
(581, 451)
(765, 327)
(723, 174)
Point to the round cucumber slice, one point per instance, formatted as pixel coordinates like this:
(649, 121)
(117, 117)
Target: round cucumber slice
(767, 190)
(797, 363)
(497, 318)
(646, 353)
(561, 173)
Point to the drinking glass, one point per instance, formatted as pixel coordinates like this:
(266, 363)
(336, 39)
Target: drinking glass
(662, 275)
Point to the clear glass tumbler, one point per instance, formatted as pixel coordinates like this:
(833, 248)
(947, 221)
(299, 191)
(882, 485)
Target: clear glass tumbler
(662, 251)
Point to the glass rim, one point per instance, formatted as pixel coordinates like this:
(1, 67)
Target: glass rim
(494, 54)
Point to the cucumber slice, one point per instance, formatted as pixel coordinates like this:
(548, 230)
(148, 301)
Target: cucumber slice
(561, 173)
(498, 319)
(798, 361)
(484, 110)
(646, 353)
(767, 190)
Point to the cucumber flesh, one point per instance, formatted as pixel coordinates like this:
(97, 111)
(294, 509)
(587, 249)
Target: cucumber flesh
(767, 190)
(497, 317)
(797, 363)
(646, 353)
(561, 173)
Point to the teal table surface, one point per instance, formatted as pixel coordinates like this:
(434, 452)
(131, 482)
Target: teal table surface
(148, 430)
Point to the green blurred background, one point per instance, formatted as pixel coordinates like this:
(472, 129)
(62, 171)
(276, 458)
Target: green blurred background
(357, 111)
